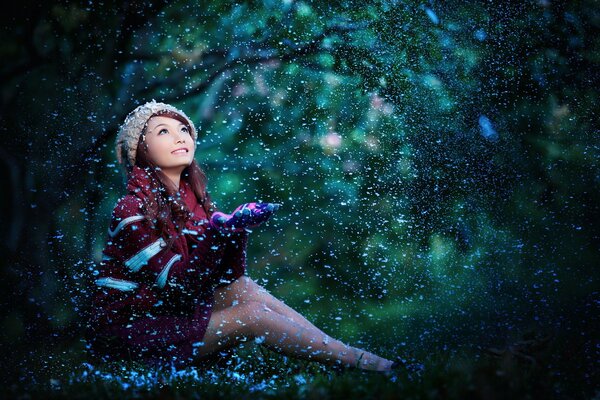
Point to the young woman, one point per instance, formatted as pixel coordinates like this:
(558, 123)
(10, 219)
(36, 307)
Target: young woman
(171, 288)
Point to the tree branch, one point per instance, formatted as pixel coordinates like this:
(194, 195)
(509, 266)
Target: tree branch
(312, 47)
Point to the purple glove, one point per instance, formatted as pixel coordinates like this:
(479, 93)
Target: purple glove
(248, 215)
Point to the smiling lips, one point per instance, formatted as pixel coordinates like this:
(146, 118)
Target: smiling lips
(180, 151)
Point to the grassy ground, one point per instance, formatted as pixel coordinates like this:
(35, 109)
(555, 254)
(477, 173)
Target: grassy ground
(257, 373)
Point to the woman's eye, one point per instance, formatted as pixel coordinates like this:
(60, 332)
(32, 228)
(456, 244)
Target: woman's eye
(165, 130)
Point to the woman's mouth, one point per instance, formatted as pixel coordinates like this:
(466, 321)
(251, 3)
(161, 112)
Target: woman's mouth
(180, 151)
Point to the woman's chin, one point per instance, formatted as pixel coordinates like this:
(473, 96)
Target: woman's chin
(182, 160)
(175, 165)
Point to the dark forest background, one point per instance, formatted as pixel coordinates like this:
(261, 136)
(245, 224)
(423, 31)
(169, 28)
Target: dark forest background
(437, 164)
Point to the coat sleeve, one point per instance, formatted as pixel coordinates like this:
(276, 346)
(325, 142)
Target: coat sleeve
(136, 244)
(234, 258)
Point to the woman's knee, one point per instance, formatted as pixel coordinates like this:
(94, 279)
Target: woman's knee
(232, 293)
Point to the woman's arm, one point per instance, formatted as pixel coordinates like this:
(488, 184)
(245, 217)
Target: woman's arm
(234, 258)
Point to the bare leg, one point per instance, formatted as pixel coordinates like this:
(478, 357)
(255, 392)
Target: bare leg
(244, 291)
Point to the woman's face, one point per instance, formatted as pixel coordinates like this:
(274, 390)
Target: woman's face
(164, 136)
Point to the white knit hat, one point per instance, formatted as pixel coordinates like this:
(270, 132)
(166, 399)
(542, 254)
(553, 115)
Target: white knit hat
(129, 133)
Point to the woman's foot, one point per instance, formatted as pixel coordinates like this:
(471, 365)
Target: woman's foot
(245, 216)
(388, 368)
(407, 364)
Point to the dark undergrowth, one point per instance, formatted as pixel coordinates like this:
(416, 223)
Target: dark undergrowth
(253, 372)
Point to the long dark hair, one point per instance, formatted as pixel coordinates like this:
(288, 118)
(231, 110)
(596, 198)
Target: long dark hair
(167, 205)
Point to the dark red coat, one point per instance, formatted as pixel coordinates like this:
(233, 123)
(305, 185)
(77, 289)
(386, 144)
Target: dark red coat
(152, 303)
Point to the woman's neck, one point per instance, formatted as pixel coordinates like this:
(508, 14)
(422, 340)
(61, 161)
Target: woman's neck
(174, 176)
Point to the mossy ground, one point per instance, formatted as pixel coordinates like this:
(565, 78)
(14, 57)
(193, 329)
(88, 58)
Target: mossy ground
(257, 373)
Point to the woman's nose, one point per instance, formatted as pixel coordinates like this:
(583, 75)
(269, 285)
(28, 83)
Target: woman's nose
(180, 137)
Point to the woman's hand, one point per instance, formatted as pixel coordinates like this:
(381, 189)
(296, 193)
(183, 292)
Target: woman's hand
(248, 215)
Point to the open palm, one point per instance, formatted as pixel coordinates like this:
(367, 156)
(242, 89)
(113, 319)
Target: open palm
(245, 216)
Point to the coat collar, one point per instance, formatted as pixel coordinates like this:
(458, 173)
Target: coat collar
(140, 185)
(139, 182)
